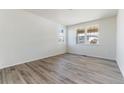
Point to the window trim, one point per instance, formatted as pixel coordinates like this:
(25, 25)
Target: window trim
(85, 39)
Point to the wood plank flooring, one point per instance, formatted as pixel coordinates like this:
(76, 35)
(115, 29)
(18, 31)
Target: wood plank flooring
(63, 69)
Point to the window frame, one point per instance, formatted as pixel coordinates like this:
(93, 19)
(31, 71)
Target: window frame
(77, 37)
(61, 36)
(86, 41)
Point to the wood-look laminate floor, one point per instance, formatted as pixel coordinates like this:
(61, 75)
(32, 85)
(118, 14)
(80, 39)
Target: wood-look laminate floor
(63, 69)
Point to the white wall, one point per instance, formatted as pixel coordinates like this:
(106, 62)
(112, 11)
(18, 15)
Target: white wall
(25, 37)
(120, 40)
(107, 38)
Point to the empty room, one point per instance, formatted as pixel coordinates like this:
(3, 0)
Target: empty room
(61, 46)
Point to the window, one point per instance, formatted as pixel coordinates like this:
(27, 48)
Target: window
(61, 36)
(80, 36)
(89, 35)
(92, 35)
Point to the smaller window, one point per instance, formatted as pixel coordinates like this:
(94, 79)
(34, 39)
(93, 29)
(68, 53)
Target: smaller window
(61, 36)
(80, 36)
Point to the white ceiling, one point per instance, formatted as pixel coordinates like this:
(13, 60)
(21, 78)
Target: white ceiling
(73, 16)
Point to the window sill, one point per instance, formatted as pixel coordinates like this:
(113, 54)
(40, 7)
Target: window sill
(89, 44)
